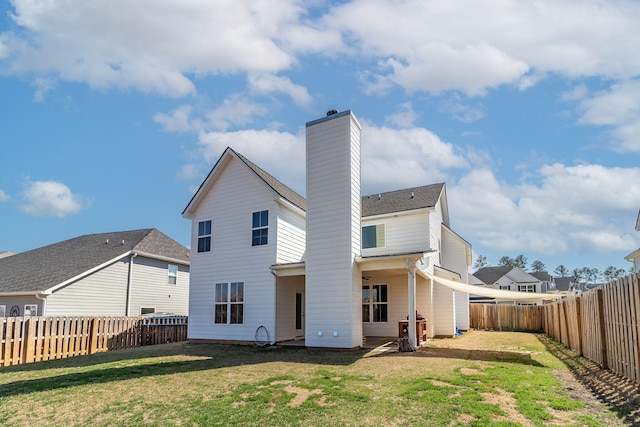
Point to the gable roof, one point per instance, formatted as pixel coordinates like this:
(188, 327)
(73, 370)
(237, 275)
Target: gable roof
(564, 283)
(426, 196)
(43, 268)
(543, 276)
(407, 199)
(490, 275)
(278, 187)
(638, 221)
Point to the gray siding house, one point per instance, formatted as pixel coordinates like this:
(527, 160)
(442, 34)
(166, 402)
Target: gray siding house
(124, 273)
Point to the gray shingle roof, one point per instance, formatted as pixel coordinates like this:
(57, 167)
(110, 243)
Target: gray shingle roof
(543, 276)
(48, 266)
(564, 283)
(284, 191)
(401, 200)
(377, 204)
(490, 275)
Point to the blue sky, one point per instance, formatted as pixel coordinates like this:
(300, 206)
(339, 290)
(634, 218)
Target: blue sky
(114, 111)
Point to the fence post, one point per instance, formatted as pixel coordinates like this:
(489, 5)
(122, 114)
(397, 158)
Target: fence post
(603, 340)
(579, 321)
(93, 335)
(28, 341)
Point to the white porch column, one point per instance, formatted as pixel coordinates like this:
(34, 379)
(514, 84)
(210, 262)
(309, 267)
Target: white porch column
(411, 266)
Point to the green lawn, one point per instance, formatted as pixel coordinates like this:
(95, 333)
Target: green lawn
(481, 379)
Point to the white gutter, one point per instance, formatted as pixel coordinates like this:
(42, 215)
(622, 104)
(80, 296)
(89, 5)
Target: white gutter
(161, 258)
(42, 297)
(398, 213)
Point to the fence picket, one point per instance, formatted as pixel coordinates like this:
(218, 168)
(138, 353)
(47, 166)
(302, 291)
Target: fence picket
(34, 339)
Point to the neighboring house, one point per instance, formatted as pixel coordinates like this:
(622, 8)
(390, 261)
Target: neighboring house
(329, 270)
(117, 274)
(547, 281)
(514, 279)
(567, 284)
(634, 256)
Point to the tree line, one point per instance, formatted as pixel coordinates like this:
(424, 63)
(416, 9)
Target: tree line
(580, 275)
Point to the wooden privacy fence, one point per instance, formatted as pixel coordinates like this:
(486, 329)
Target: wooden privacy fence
(34, 339)
(602, 324)
(506, 317)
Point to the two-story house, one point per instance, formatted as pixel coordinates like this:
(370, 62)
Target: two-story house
(329, 269)
(634, 256)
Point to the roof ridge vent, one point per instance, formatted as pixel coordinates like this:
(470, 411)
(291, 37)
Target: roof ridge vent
(107, 242)
(331, 112)
(412, 195)
(379, 196)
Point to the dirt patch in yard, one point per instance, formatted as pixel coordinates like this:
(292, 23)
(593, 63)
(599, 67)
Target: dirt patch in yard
(596, 387)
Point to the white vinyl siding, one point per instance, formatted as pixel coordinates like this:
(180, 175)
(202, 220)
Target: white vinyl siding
(231, 200)
(103, 293)
(333, 292)
(444, 310)
(290, 236)
(150, 287)
(454, 258)
(404, 233)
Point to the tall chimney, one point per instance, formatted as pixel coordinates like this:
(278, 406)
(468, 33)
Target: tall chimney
(333, 281)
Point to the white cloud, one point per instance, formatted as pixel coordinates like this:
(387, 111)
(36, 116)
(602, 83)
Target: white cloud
(50, 198)
(179, 120)
(460, 111)
(617, 108)
(146, 45)
(584, 208)
(472, 46)
(235, 110)
(404, 117)
(3, 196)
(397, 158)
(268, 83)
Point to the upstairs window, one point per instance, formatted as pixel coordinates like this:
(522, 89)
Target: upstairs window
(373, 236)
(204, 236)
(260, 228)
(173, 274)
(229, 303)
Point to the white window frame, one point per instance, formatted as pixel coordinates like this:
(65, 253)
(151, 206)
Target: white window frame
(204, 235)
(33, 310)
(260, 227)
(380, 233)
(505, 287)
(225, 301)
(370, 304)
(527, 288)
(3, 310)
(147, 308)
(172, 274)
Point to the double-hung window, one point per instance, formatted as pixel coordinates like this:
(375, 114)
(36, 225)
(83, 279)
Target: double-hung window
(526, 288)
(229, 303)
(260, 228)
(374, 303)
(30, 310)
(172, 271)
(373, 236)
(204, 236)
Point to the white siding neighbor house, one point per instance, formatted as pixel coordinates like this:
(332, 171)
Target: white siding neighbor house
(330, 270)
(634, 256)
(126, 273)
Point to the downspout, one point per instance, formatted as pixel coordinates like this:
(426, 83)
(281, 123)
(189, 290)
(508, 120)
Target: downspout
(129, 284)
(42, 297)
